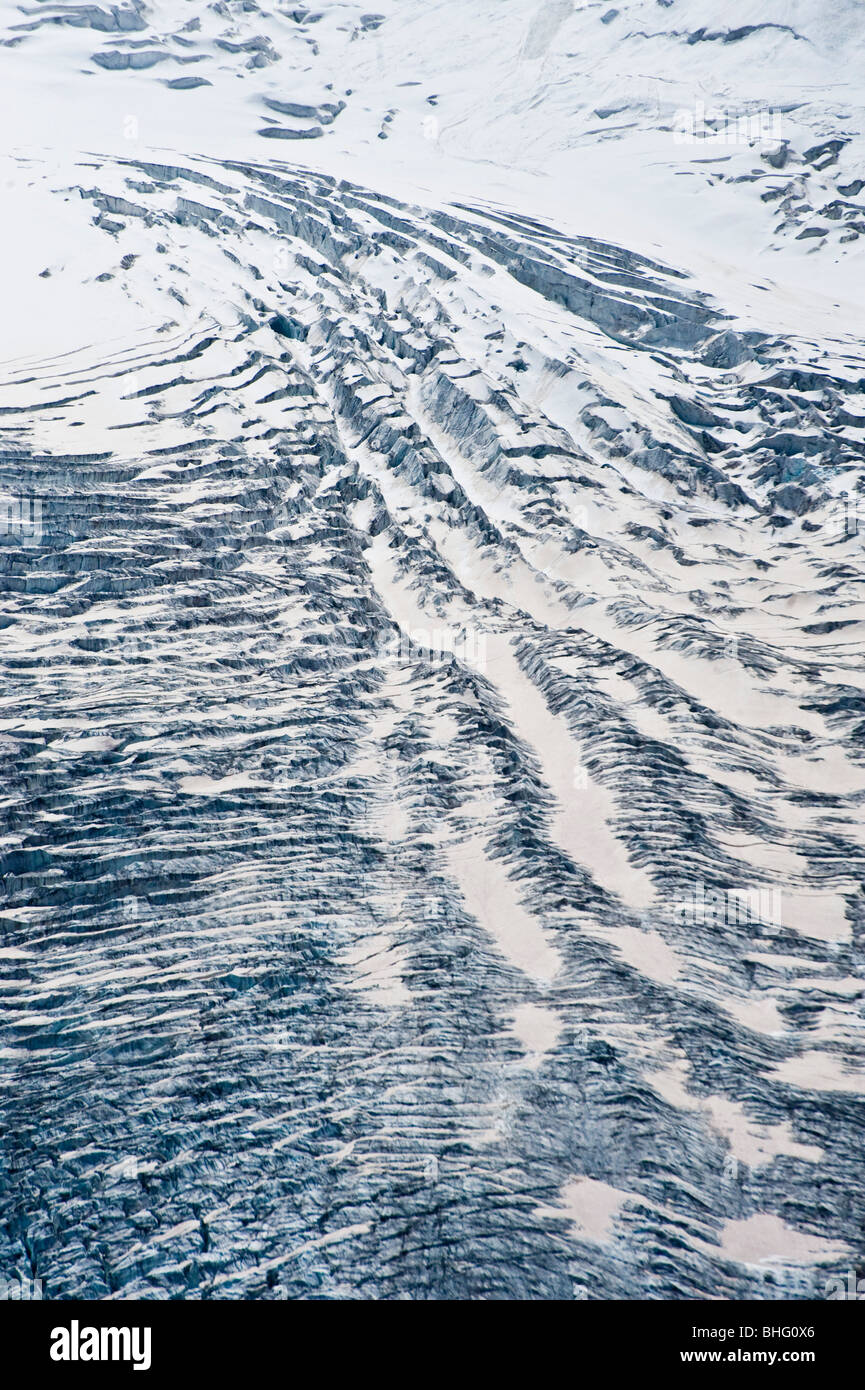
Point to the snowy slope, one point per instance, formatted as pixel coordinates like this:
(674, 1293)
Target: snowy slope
(432, 690)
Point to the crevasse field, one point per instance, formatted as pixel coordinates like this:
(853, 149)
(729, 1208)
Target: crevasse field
(432, 698)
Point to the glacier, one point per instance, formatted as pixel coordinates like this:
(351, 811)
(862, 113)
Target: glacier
(431, 526)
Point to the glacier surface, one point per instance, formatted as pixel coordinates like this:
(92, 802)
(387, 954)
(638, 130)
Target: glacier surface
(432, 700)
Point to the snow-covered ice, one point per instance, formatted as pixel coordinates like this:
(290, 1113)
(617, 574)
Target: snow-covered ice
(431, 526)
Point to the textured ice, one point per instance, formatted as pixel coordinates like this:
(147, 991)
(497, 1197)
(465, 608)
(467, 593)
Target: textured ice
(432, 700)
